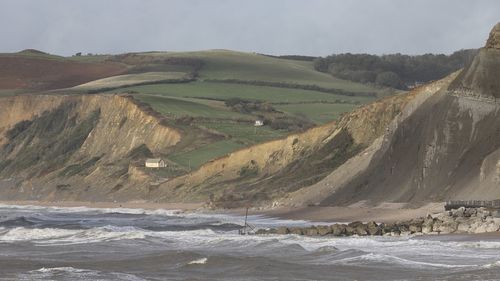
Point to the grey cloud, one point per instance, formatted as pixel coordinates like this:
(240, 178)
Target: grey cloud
(312, 27)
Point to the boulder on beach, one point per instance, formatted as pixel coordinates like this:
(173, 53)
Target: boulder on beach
(324, 230)
(338, 229)
(461, 220)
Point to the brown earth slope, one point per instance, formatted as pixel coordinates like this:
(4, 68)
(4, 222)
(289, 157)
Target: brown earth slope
(35, 71)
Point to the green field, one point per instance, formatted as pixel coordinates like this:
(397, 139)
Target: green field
(225, 64)
(178, 107)
(223, 91)
(195, 158)
(206, 99)
(245, 133)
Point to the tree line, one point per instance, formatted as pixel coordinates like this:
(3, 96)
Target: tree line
(394, 70)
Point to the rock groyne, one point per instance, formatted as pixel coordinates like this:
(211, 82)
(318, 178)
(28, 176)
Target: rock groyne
(461, 220)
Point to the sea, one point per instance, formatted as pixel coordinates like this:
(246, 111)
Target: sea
(49, 243)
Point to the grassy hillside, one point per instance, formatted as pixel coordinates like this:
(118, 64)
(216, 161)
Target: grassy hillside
(133, 79)
(204, 102)
(179, 107)
(223, 91)
(318, 107)
(224, 65)
(227, 92)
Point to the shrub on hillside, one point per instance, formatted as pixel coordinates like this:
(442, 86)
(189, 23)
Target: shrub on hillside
(289, 123)
(388, 79)
(247, 106)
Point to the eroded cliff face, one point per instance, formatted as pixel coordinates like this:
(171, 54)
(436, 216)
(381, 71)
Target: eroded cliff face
(444, 145)
(122, 127)
(76, 147)
(387, 115)
(444, 150)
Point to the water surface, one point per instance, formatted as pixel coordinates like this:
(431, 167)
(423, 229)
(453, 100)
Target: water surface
(43, 243)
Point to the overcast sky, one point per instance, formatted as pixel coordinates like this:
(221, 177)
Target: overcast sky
(306, 27)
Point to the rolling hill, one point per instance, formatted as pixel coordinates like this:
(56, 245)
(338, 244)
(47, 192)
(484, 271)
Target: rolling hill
(325, 140)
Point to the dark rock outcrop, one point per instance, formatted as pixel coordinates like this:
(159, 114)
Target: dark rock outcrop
(480, 78)
(494, 39)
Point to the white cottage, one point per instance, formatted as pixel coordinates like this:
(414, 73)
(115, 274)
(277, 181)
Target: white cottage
(155, 163)
(259, 123)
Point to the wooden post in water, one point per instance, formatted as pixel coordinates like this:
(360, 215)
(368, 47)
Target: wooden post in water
(248, 228)
(246, 217)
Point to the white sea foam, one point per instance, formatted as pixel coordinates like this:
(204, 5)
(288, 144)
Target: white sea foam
(60, 269)
(371, 258)
(68, 273)
(478, 244)
(405, 252)
(71, 273)
(67, 236)
(190, 217)
(83, 209)
(490, 265)
(93, 235)
(29, 234)
(199, 261)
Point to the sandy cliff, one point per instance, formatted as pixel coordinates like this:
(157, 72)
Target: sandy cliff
(76, 147)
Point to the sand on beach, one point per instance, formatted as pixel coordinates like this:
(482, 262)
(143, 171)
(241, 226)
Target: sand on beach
(385, 212)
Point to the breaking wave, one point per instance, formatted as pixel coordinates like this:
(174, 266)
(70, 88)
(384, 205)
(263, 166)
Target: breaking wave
(190, 242)
(93, 235)
(372, 258)
(71, 273)
(82, 209)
